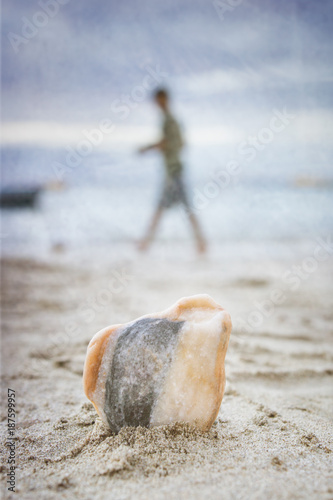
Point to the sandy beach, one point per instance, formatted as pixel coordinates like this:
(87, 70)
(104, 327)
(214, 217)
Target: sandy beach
(273, 436)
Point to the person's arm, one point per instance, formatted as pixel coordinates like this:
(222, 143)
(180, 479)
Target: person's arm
(157, 145)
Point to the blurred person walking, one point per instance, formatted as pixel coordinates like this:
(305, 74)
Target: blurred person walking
(173, 191)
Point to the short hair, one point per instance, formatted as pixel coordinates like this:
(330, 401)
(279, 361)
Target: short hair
(161, 92)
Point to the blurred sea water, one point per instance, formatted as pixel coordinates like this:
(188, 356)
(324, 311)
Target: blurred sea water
(108, 199)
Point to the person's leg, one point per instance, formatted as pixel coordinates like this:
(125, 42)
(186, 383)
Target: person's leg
(201, 242)
(144, 243)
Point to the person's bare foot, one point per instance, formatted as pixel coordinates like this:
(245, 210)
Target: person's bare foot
(202, 246)
(143, 245)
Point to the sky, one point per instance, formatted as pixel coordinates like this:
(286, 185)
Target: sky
(229, 63)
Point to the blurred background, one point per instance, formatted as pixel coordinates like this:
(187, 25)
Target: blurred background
(251, 85)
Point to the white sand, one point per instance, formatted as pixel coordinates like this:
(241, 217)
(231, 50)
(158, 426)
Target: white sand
(273, 436)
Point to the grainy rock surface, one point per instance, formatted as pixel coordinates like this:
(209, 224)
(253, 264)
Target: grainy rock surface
(162, 368)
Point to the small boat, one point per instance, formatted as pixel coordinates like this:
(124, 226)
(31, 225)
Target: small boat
(19, 197)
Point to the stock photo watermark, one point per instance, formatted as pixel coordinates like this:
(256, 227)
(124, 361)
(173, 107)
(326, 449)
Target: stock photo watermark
(225, 7)
(40, 19)
(86, 313)
(277, 124)
(121, 108)
(11, 439)
(248, 149)
(291, 280)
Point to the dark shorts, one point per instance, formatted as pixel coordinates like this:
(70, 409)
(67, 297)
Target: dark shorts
(173, 193)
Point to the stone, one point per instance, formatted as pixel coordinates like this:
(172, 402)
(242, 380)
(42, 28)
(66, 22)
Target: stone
(161, 368)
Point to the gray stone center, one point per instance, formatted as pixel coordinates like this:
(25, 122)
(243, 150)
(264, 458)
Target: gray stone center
(140, 365)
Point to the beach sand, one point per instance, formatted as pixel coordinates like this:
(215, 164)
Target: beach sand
(273, 436)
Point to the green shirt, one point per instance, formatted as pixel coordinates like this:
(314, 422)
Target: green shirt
(173, 145)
